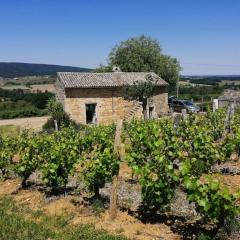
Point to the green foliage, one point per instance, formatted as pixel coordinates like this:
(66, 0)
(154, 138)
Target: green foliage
(212, 200)
(231, 143)
(8, 147)
(103, 69)
(99, 162)
(197, 92)
(19, 109)
(168, 68)
(162, 156)
(32, 148)
(56, 155)
(38, 100)
(143, 54)
(19, 104)
(97, 206)
(56, 111)
(141, 91)
(151, 152)
(203, 236)
(60, 157)
(140, 54)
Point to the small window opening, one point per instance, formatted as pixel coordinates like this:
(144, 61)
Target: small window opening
(91, 113)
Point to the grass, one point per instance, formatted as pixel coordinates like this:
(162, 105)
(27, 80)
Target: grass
(21, 223)
(9, 130)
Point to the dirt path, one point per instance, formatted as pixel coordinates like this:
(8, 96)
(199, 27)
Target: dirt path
(31, 122)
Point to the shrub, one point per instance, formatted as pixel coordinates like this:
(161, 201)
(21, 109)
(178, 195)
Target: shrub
(60, 157)
(98, 161)
(8, 146)
(213, 200)
(56, 111)
(32, 148)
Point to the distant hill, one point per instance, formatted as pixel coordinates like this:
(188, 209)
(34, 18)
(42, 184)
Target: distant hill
(29, 69)
(211, 79)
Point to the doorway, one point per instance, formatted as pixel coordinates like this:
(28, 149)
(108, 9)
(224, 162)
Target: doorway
(91, 113)
(151, 112)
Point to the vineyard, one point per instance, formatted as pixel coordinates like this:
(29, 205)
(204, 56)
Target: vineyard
(164, 155)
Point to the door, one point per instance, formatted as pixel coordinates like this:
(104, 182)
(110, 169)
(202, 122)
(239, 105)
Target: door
(150, 112)
(91, 117)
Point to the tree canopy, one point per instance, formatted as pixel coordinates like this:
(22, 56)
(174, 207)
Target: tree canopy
(143, 54)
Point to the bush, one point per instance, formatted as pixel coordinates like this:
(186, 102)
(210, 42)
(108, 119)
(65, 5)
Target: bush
(60, 157)
(19, 109)
(98, 161)
(32, 148)
(56, 111)
(39, 100)
(213, 200)
(8, 147)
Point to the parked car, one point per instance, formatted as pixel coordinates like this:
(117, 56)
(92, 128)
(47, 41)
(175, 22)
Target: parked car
(170, 99)
(178, 105)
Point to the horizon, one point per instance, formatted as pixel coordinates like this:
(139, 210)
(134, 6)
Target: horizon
(205, 39)
(183, 75)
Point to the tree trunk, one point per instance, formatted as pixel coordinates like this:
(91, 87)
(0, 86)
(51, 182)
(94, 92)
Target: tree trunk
(96, 192)
(24, 181)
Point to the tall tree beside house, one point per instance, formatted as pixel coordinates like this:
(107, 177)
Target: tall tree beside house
(141, 91)
(143, 54)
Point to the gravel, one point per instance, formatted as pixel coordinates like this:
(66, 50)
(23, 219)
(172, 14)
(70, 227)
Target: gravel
(129, 194)
(226, 168)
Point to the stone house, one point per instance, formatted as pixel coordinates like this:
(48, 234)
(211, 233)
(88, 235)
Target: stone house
(98, 97)
(228, 97)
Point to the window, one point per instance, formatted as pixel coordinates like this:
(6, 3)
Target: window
(91, 113)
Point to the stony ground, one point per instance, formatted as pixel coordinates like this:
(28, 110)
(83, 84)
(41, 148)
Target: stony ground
(178, 223)
(124, 224)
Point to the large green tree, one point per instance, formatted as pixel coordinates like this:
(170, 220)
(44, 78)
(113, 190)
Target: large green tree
(143, 54)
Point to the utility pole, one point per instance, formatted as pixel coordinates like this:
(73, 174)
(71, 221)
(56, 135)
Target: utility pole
(177, 86)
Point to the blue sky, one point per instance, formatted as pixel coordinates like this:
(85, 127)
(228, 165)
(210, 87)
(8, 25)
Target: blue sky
(203, 34)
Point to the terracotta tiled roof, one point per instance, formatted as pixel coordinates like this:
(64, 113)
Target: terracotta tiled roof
(110, 79)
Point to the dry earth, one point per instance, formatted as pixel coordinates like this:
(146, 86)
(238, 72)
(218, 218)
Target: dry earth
(124, 224)
(35, 123)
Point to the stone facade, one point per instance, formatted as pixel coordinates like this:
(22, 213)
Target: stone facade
(229, 96)
(110, 105)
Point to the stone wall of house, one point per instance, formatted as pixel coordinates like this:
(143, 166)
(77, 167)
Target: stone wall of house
(225, 103)
(60, 92)
(110, 106)
(160, 101)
